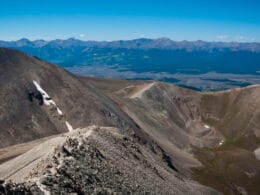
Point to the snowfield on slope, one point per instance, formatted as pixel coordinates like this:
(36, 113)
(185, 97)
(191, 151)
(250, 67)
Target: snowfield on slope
(48, 101)
(46, 98)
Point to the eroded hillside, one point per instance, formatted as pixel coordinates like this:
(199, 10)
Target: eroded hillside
(217, 131)
(158, 137)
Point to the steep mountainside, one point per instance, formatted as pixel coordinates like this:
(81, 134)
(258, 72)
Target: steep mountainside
(149, 137)
(236, 113)
(171, 116)
(39, 99)
(218, 130)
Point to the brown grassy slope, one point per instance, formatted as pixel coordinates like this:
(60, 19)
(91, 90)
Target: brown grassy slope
(232, 168)
(236, 113)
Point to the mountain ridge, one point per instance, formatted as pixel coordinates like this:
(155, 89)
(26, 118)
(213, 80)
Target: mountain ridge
(173, 133)
(179, 62)
(142, 43)
(27, 84)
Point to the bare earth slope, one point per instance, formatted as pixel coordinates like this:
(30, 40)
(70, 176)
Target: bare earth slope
(232, 167)
(171, 116)
(217, 130)
(38, 99)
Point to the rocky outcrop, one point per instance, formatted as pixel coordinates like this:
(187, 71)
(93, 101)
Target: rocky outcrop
(95, 160)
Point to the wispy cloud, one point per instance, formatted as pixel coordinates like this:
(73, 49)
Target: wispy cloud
(82, 35)
(222, 37)
(252, 39)
(141, 36)
(239, 38)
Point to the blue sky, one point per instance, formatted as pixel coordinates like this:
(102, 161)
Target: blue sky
(210, 20)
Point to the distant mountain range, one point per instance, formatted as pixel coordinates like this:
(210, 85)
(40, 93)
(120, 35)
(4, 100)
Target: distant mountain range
(156, 59)
(142, 43)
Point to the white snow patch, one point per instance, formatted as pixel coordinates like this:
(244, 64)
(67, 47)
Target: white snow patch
(70, 128)
(46, 97)
(59, 111)
(257, 153)
(221, 142)
(206, 126)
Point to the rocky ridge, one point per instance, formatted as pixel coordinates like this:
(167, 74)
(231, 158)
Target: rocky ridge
(94, 160)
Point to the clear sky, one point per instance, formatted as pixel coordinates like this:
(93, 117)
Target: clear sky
(210, 20)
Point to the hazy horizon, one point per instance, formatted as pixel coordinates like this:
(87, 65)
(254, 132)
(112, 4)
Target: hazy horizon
(225, 21)
(79, 39)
